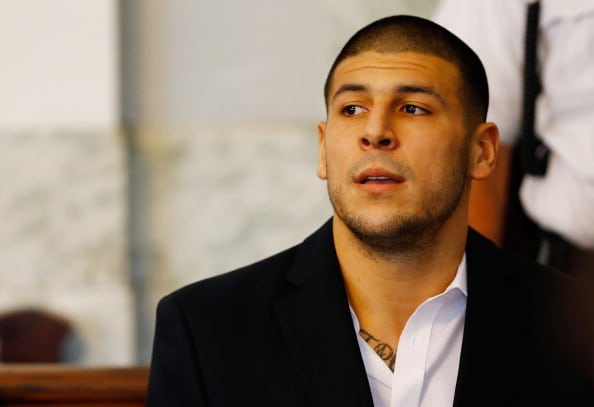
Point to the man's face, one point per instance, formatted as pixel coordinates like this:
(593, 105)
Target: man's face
(394, 149)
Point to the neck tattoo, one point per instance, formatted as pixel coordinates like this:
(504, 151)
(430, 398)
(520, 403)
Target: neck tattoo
(384, 351)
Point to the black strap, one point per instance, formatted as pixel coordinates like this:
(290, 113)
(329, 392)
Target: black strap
(534, 152)
(521, 234)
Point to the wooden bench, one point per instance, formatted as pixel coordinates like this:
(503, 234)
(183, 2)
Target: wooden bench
(71, 386)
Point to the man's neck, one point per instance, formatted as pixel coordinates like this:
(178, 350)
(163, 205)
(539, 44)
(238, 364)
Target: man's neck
(384, 289)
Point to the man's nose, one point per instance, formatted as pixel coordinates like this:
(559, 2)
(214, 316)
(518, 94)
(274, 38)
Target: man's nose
(379, 133)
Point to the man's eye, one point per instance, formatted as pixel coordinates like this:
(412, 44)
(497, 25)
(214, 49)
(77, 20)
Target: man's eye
(352, 110)
(415, 110)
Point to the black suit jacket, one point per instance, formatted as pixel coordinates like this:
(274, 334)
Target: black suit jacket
(279, 333)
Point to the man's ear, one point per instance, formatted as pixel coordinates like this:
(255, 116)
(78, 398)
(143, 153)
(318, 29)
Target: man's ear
(483, 150)
(322, 151)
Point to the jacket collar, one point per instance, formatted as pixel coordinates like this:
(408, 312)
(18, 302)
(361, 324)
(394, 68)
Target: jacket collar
(493, 339)
(316, 323)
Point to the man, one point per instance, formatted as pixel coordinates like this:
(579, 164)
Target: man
(393, 302)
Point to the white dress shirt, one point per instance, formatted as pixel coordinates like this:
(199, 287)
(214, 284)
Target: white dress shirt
(428, 353)
(562, 201)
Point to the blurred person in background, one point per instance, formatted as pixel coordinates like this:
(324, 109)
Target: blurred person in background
(540, 199)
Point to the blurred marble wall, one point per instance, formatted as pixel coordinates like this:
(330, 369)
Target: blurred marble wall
(63, 169)
(184, 149)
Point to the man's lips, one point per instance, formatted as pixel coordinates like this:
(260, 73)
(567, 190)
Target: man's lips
(378, 176)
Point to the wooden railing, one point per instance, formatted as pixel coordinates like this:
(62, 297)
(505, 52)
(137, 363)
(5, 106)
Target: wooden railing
(70, 386)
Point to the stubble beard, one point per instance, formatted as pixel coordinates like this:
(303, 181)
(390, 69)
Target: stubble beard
(407, 233)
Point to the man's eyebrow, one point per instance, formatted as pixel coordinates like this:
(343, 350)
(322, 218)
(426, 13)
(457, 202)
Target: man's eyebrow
(428, 90)
(349, 87)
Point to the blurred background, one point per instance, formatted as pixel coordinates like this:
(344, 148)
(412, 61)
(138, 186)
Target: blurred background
(148, 144)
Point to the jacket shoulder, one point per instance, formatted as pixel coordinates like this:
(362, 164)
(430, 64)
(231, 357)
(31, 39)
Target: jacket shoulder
(263, 277)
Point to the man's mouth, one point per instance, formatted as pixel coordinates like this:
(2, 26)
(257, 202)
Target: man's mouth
(379, 180)
(378, 176)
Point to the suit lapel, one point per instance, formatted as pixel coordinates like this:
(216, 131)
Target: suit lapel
(493, 338)
(315, 320)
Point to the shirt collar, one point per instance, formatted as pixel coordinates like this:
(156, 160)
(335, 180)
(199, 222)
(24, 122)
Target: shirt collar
(459, 283)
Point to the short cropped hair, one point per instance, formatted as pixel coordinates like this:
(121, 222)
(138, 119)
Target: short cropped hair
(403, 33)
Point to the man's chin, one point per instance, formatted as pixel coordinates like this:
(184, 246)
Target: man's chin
(387, 232)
